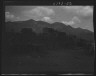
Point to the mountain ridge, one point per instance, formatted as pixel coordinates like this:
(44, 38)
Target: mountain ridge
(59, 23)
(37, 26)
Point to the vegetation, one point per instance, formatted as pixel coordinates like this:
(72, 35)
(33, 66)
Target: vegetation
(27, 41)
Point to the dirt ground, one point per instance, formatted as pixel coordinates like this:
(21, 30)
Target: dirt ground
(60, 61)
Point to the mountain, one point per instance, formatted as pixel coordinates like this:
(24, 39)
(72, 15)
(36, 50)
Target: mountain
(37, 26)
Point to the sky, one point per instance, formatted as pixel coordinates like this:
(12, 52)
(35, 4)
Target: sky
(75, 16)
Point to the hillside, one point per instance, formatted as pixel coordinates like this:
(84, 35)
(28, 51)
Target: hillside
(37, 26)
(39, 47)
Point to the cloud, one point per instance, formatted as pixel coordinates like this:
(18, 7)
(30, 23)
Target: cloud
(11, 17)
(39, 11)
(76, 19)
(47, 19)
(8, 15)
(72, 7)
(73, 21)
(68, 22)
(79, 10)
(85, 11)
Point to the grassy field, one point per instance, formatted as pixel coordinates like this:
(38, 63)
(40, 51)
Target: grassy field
(55, 61)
